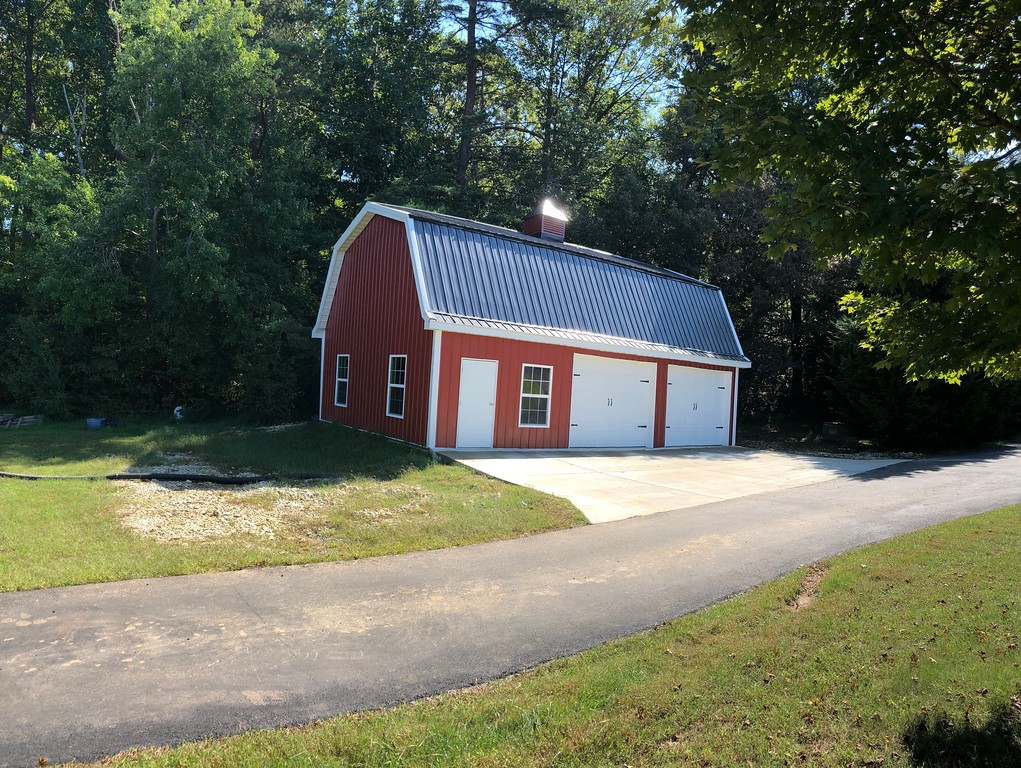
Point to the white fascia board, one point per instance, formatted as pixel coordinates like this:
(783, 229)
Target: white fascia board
(730, 321)
(359, 223)
(434, 390)
(620, 349)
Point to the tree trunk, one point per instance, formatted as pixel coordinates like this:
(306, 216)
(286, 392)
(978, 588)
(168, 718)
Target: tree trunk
(548, 159)
(470, 92)
(30, 103)
(797, 353)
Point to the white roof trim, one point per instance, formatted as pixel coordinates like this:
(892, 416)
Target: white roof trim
(416, 268)
(730, 321)
(582, 340)
(360, 222)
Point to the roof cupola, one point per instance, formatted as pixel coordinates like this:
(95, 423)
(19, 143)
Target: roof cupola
(547, 221)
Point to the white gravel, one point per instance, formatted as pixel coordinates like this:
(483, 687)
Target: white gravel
(185, 511)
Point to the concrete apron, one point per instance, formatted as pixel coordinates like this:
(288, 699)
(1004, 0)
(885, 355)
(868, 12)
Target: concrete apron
(609, 485)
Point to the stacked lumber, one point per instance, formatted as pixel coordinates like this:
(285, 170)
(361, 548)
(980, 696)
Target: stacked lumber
(9, 420)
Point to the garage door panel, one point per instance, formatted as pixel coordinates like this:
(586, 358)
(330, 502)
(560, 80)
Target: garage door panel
(698, 406)
(612, 402)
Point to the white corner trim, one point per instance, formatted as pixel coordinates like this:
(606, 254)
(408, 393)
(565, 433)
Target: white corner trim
(434, 390)
(733, 416)
(322, 370)
(355, 228)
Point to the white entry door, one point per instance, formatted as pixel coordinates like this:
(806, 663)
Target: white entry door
(612, 403)
(476, 403)
(697, 406)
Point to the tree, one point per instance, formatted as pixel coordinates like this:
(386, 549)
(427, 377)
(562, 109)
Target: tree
(593, 77)
(904, 152)
(204, 218)
(380, 68)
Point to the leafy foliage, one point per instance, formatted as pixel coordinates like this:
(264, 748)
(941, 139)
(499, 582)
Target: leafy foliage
(895, 131)
(173, 173)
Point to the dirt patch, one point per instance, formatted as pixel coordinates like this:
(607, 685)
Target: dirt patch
(184, 511)
(190, 511)
(809, 588)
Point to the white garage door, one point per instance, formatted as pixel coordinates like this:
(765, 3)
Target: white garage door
(612, 403)
(697, 406)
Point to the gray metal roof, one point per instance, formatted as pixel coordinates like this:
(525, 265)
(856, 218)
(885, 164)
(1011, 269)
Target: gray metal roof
(490, 277)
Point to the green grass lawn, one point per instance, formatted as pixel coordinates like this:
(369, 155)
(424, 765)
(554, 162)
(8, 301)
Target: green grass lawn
(906, 655)
(385, 498)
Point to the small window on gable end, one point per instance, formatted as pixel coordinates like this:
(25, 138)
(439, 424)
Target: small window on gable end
(343, 373)
(536, 381)
(395, 389)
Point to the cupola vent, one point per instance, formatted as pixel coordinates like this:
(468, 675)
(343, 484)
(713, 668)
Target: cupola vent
(547, 221)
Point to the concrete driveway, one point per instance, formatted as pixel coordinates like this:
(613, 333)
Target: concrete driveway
(611, 485)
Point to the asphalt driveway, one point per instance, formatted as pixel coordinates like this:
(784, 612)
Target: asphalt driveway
(609, 485)
(87, 671)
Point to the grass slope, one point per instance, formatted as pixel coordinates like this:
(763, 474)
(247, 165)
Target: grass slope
(905, 654)
(392, 499)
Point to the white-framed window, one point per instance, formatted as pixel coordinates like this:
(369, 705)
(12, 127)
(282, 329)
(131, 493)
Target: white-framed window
(536, 381)
(395, 390)
(343, 374)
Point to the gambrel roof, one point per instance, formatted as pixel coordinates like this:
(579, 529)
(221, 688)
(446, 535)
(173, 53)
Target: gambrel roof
(479, 278)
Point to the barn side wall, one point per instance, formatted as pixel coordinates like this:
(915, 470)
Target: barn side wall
(511, 355)
(375, 314)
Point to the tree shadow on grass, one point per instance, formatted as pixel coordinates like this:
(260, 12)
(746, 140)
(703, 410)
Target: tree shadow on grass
(934, 740)
(305, 448)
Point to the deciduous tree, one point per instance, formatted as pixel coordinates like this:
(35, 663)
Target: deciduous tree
(904, 152)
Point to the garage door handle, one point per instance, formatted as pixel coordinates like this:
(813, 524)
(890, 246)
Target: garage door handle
(574, 425)
(643, 426)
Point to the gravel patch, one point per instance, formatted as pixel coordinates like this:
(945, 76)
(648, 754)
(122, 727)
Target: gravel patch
(184, 464)
(183, 511)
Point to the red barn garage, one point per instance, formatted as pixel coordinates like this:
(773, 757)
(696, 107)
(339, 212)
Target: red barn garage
(451, 333)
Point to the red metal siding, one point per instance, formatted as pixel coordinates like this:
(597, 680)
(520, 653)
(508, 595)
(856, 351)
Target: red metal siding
(376, 314)
(511, 355)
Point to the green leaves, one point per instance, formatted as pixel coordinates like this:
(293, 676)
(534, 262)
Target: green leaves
(895, 131)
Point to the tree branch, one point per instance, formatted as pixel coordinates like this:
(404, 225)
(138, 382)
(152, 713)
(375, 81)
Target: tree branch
(950, 78)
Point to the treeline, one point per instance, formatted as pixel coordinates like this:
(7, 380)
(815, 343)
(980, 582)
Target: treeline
(173, 174)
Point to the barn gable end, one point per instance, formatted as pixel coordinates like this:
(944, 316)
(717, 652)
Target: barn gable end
(375, 313)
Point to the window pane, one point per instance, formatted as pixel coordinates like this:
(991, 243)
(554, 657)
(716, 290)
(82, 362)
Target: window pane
(533, 410)
(396, 404)
(341, 392)
(342, 366)
(535, 380)
(398, 368)
(535, 390)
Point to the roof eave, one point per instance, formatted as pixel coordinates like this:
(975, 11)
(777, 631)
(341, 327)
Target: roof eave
(594, 342)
